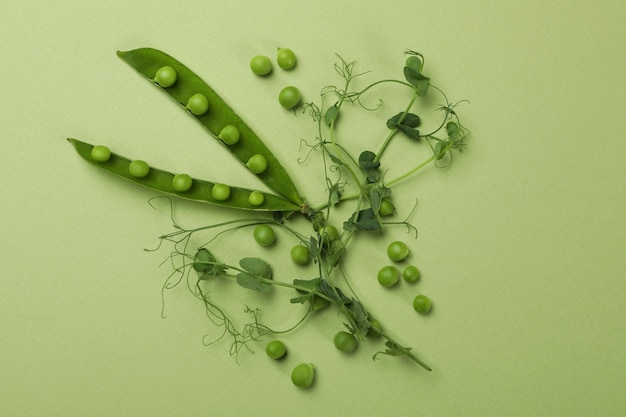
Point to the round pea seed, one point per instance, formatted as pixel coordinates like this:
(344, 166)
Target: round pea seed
(181, 182)
(264, 235)
(386, 208)
(220, 192)
(345, 342)
(229, 135)
(100, 153)
(388, 276)
(138, 168)
(411, 274)
(300, 255)
(261, 65)
(198, 104)
(165, 76)
(257, 164)
(329, 233)
(256, 198)
(275, 349)
(303, 375)
(422, 304)
(289, 97)
(286, 58)
(397, 251)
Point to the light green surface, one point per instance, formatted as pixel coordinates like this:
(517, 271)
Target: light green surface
(521, 244)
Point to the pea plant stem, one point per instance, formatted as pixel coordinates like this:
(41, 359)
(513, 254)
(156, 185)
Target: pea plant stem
(391, 134)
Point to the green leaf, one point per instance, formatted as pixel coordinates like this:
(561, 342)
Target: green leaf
(441, 149)
(257, 272)
(336, 159)
(205, 264)
(453, 132)
(366, 221)
(369, 165)
(419, 81)
(406, 125)
(311, 285)
(331, 114)
(334, 294)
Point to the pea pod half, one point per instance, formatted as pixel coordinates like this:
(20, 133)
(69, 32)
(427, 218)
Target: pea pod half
(187, 84)
(199, 190)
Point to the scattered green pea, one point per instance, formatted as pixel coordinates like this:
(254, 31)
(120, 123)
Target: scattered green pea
(181, 182)
(257, 164)
(256, 198)
(300, 255)
(286, 58)
(229, 135)
(264, 235)
(388, 276)
(303, 375)
(289, 97)
(261, 65)
(100, 153)
(138, 168)
(165, 76)
(198, 104)
(397, 251)
(220, 192)
(422, 304)
(411, 274)
(275, 349)
(329, 233)
(345, 342)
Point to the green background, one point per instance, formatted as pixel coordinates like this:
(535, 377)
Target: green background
(521, 242)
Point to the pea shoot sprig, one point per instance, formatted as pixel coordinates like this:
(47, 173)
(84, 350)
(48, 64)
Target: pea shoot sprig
(358, 179)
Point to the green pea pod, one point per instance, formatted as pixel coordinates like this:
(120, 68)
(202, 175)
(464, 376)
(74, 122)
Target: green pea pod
(200, 190)
(148, 61)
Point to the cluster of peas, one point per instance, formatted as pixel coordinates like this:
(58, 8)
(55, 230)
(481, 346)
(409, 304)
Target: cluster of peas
(289, 97)
(303, 374)
(389, 275)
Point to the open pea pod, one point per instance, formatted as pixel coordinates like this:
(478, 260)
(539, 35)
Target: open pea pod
(199, 190)
(148, 61)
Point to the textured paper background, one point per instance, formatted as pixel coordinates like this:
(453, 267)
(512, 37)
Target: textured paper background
(521, 243)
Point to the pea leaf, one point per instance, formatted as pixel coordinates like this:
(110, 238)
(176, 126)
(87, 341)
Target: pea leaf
(415, 78)
(331, 114)
(205, 264)
(406, 125)
(366, 220)
(311, 285)
(394, 349)
(334, 294)
(256, 270)
(369, 165)
(441, 149)
(376, 197)
(453, 132)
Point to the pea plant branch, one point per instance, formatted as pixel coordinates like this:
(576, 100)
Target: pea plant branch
(348, 177)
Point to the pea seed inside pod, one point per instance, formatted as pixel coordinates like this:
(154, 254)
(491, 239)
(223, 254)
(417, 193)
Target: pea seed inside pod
(198, 104)
(229, 135)
(165, 76)
(220, 192)
(181, 182)
(100, 153)
(138, 168)
(256, 198)
(257, 164)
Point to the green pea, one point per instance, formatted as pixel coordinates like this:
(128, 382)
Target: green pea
(397, 251)
(388, 276)
(300, 255)
(166, 76)
(256, 198)
(229, 135)
(198, 104)
(329, 234)
(275, 349)
(286, 58)
(302, 376)
(100, 153)
(261, 65)
(220, 192)
(257, 164)
(289, 97)
(138, 169)
(386, 207)
(181, 182)
(411, 274)
(345, 342)
(422, 304)
(264, 235)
